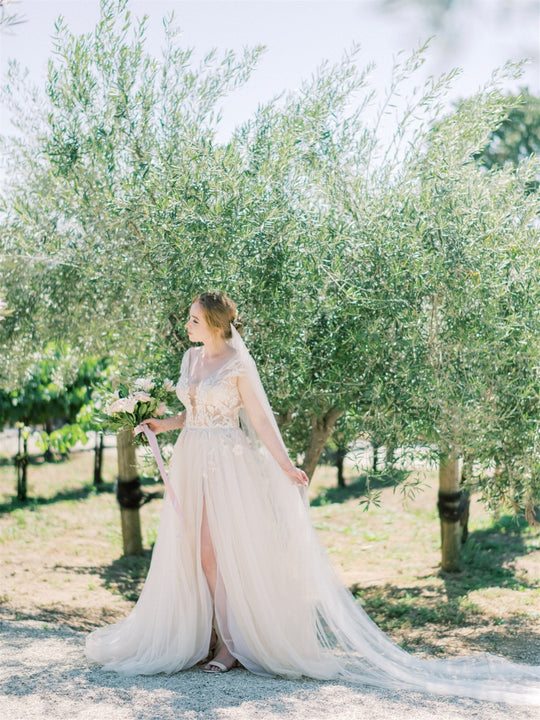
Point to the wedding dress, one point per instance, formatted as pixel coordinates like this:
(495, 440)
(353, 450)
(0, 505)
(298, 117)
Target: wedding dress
(279, 605)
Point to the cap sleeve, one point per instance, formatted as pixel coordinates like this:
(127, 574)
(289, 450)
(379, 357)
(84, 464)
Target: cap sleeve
(238, 367)
(184, 367)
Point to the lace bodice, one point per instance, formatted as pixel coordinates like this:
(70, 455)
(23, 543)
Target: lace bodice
(215, 400)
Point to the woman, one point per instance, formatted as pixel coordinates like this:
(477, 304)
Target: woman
(239, 572)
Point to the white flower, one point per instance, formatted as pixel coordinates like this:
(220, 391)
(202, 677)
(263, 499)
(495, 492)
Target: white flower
(141, 396)
(114, 407)
(168, 385)
(145, 384)
(161, 409)
(122, 405)
(129, 404)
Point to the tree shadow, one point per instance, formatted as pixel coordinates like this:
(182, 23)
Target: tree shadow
(425, 619)
(124, 576)
(365, 485)
(75, 618)
(392, 606)
(80, 493)
(488, 559)
(432, 608)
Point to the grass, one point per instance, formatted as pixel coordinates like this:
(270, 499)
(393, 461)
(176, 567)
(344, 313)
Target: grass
(389, 556)
(61, 558)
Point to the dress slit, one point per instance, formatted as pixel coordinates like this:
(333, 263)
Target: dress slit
(219, 619)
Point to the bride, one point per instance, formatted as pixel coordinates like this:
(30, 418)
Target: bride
(237, 571)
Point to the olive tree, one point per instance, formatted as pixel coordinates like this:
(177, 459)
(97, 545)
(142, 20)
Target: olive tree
(477, 241)
(76, 260)
(372, 275)
(517, 137)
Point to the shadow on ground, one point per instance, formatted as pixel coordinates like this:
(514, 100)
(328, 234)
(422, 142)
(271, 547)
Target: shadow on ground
(80, 493)
(366, 485)
(73, 494)
(488, 561)
(125, 576)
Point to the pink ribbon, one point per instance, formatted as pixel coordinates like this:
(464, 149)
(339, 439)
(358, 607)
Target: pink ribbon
(152, 441)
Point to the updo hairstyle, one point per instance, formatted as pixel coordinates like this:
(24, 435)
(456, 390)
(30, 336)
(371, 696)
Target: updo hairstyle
(219, 312)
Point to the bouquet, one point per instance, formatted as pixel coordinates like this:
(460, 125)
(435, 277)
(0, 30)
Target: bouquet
(128, 407)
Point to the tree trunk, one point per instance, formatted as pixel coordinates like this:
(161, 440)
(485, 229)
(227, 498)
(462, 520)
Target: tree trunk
(21, 462)
(129, 492)
(48, 455)
(321, 427)
(98, 460)
(390, 457)
(340, 457)
(375, 456)
(450, 511)
(466, 501)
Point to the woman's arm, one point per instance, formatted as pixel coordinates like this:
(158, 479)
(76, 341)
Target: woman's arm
(267, 433)
(159, 425)
(175, 422)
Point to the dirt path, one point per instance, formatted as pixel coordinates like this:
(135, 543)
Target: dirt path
(44, 676)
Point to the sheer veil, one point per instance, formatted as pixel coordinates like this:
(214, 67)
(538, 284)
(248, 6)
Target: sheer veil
(252, 373)
(349, 645)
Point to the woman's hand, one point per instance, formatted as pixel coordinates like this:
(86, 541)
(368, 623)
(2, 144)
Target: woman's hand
(298, 476)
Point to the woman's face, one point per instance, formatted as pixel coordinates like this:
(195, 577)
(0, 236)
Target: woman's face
(197, 327)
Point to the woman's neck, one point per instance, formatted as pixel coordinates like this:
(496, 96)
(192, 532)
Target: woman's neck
(215, 347)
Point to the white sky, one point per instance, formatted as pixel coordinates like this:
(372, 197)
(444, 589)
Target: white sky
(477, 35)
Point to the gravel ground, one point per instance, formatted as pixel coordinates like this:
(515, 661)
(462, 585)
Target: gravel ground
(44, 675)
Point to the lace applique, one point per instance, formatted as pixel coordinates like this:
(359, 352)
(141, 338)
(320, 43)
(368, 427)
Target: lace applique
(214, 401)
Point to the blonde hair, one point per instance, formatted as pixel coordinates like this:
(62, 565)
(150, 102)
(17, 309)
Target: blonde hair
(219, 311)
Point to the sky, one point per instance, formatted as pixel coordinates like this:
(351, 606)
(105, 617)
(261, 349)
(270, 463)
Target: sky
(476, 35)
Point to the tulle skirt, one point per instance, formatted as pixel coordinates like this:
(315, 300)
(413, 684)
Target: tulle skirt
(279, 605)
